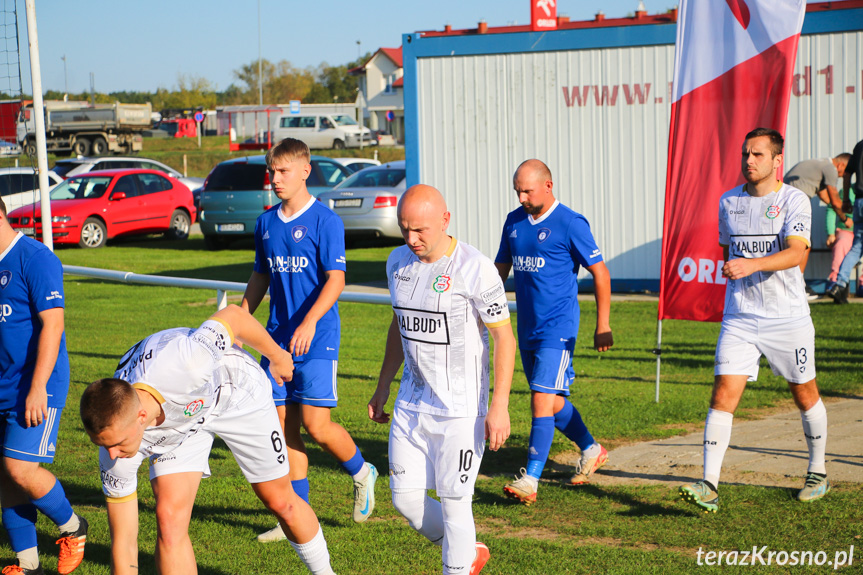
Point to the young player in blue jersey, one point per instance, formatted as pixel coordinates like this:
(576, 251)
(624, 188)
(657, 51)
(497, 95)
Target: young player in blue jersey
(546, 243)
(300, 258)
(34, 381)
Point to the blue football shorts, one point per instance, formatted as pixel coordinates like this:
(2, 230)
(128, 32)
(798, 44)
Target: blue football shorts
(548, 370)
(29, 443)
(314, 383)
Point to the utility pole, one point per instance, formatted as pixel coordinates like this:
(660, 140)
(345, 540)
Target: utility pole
(65, 80)
(260, 61)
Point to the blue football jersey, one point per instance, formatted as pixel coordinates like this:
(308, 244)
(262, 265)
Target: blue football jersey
(296, 253)
(546, 255)
(31, 281)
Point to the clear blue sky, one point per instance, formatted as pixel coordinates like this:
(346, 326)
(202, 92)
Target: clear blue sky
(135, 45)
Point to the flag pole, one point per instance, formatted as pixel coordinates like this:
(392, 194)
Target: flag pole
(658, 352)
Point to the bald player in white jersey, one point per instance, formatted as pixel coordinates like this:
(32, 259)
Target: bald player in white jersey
(764, 230)
(447, 298)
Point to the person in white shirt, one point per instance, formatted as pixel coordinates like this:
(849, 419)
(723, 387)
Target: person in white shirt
(173, 392)
(764, 231)
(447, 298)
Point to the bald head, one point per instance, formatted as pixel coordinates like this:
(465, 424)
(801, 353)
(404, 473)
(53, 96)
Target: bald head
(532, 182)
(423, 219)
(534, 169)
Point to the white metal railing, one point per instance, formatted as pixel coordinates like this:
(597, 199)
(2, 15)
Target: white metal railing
(222, 288)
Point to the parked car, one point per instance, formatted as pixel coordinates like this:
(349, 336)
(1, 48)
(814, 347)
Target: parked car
(367, 200)
(20, 186)
(90, 209)
(9, 148)
(77, 166)
(337, 131)
(357, 164)
(237, 191)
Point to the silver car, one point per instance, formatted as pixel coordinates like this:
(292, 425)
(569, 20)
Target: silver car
(367, 200)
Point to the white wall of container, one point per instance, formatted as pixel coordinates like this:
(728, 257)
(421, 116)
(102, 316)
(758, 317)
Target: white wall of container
(599, 118)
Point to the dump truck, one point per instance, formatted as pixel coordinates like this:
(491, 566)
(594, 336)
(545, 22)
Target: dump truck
(86, 130)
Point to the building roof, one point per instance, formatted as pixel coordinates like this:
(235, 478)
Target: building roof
(640, 18)
(394, 54)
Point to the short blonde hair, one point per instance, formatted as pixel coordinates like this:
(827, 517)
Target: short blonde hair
(290, 149)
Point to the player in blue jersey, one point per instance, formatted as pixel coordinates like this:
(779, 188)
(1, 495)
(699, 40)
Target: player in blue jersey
(546, 243)
(34, 381)
(300, 258)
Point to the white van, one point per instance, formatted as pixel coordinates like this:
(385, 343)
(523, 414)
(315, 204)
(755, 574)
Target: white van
(323, 130)
(20, 186)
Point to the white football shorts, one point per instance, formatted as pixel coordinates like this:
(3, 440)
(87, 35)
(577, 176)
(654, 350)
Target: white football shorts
(787, 343)
(247, 422)
(435, 452)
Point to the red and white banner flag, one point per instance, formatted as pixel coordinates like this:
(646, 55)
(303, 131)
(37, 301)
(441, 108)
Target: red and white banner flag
(733, 67)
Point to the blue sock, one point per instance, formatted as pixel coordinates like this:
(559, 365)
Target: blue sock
(354, 464)
(541, 436)
(54, 505)
(20, 524)
(301, 488)
(569, 422)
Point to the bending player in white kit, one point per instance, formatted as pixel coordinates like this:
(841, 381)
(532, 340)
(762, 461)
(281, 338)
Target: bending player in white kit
(764, 230)
(187, 385)
(447, 297)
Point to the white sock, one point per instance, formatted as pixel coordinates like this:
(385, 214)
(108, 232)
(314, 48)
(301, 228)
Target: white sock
(717, 436)
(459, 543)
(315, 554)
(72, 525)
(29, 558)
(361, 474)
(422, 512)
(815, 429)
(591, 451)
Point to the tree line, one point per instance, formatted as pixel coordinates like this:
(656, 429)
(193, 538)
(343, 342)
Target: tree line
(282, 82)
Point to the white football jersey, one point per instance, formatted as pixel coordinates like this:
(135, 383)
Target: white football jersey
(442, 310)
(757, 227)
(192, 373)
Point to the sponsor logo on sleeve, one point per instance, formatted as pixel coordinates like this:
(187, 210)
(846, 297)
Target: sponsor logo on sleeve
(494, 293)
(5, 278)
(423, 326)
(298, 233)
(340, 260)
(54, 295)
(213, 340)
(495, 309)
(112, 482)
(595, 254)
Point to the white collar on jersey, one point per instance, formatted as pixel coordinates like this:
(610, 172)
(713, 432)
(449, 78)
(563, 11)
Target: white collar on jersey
(18, 236)
(544, 216)
(305, 208)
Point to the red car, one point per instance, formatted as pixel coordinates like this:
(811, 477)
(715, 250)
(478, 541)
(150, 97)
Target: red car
(92, 208)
